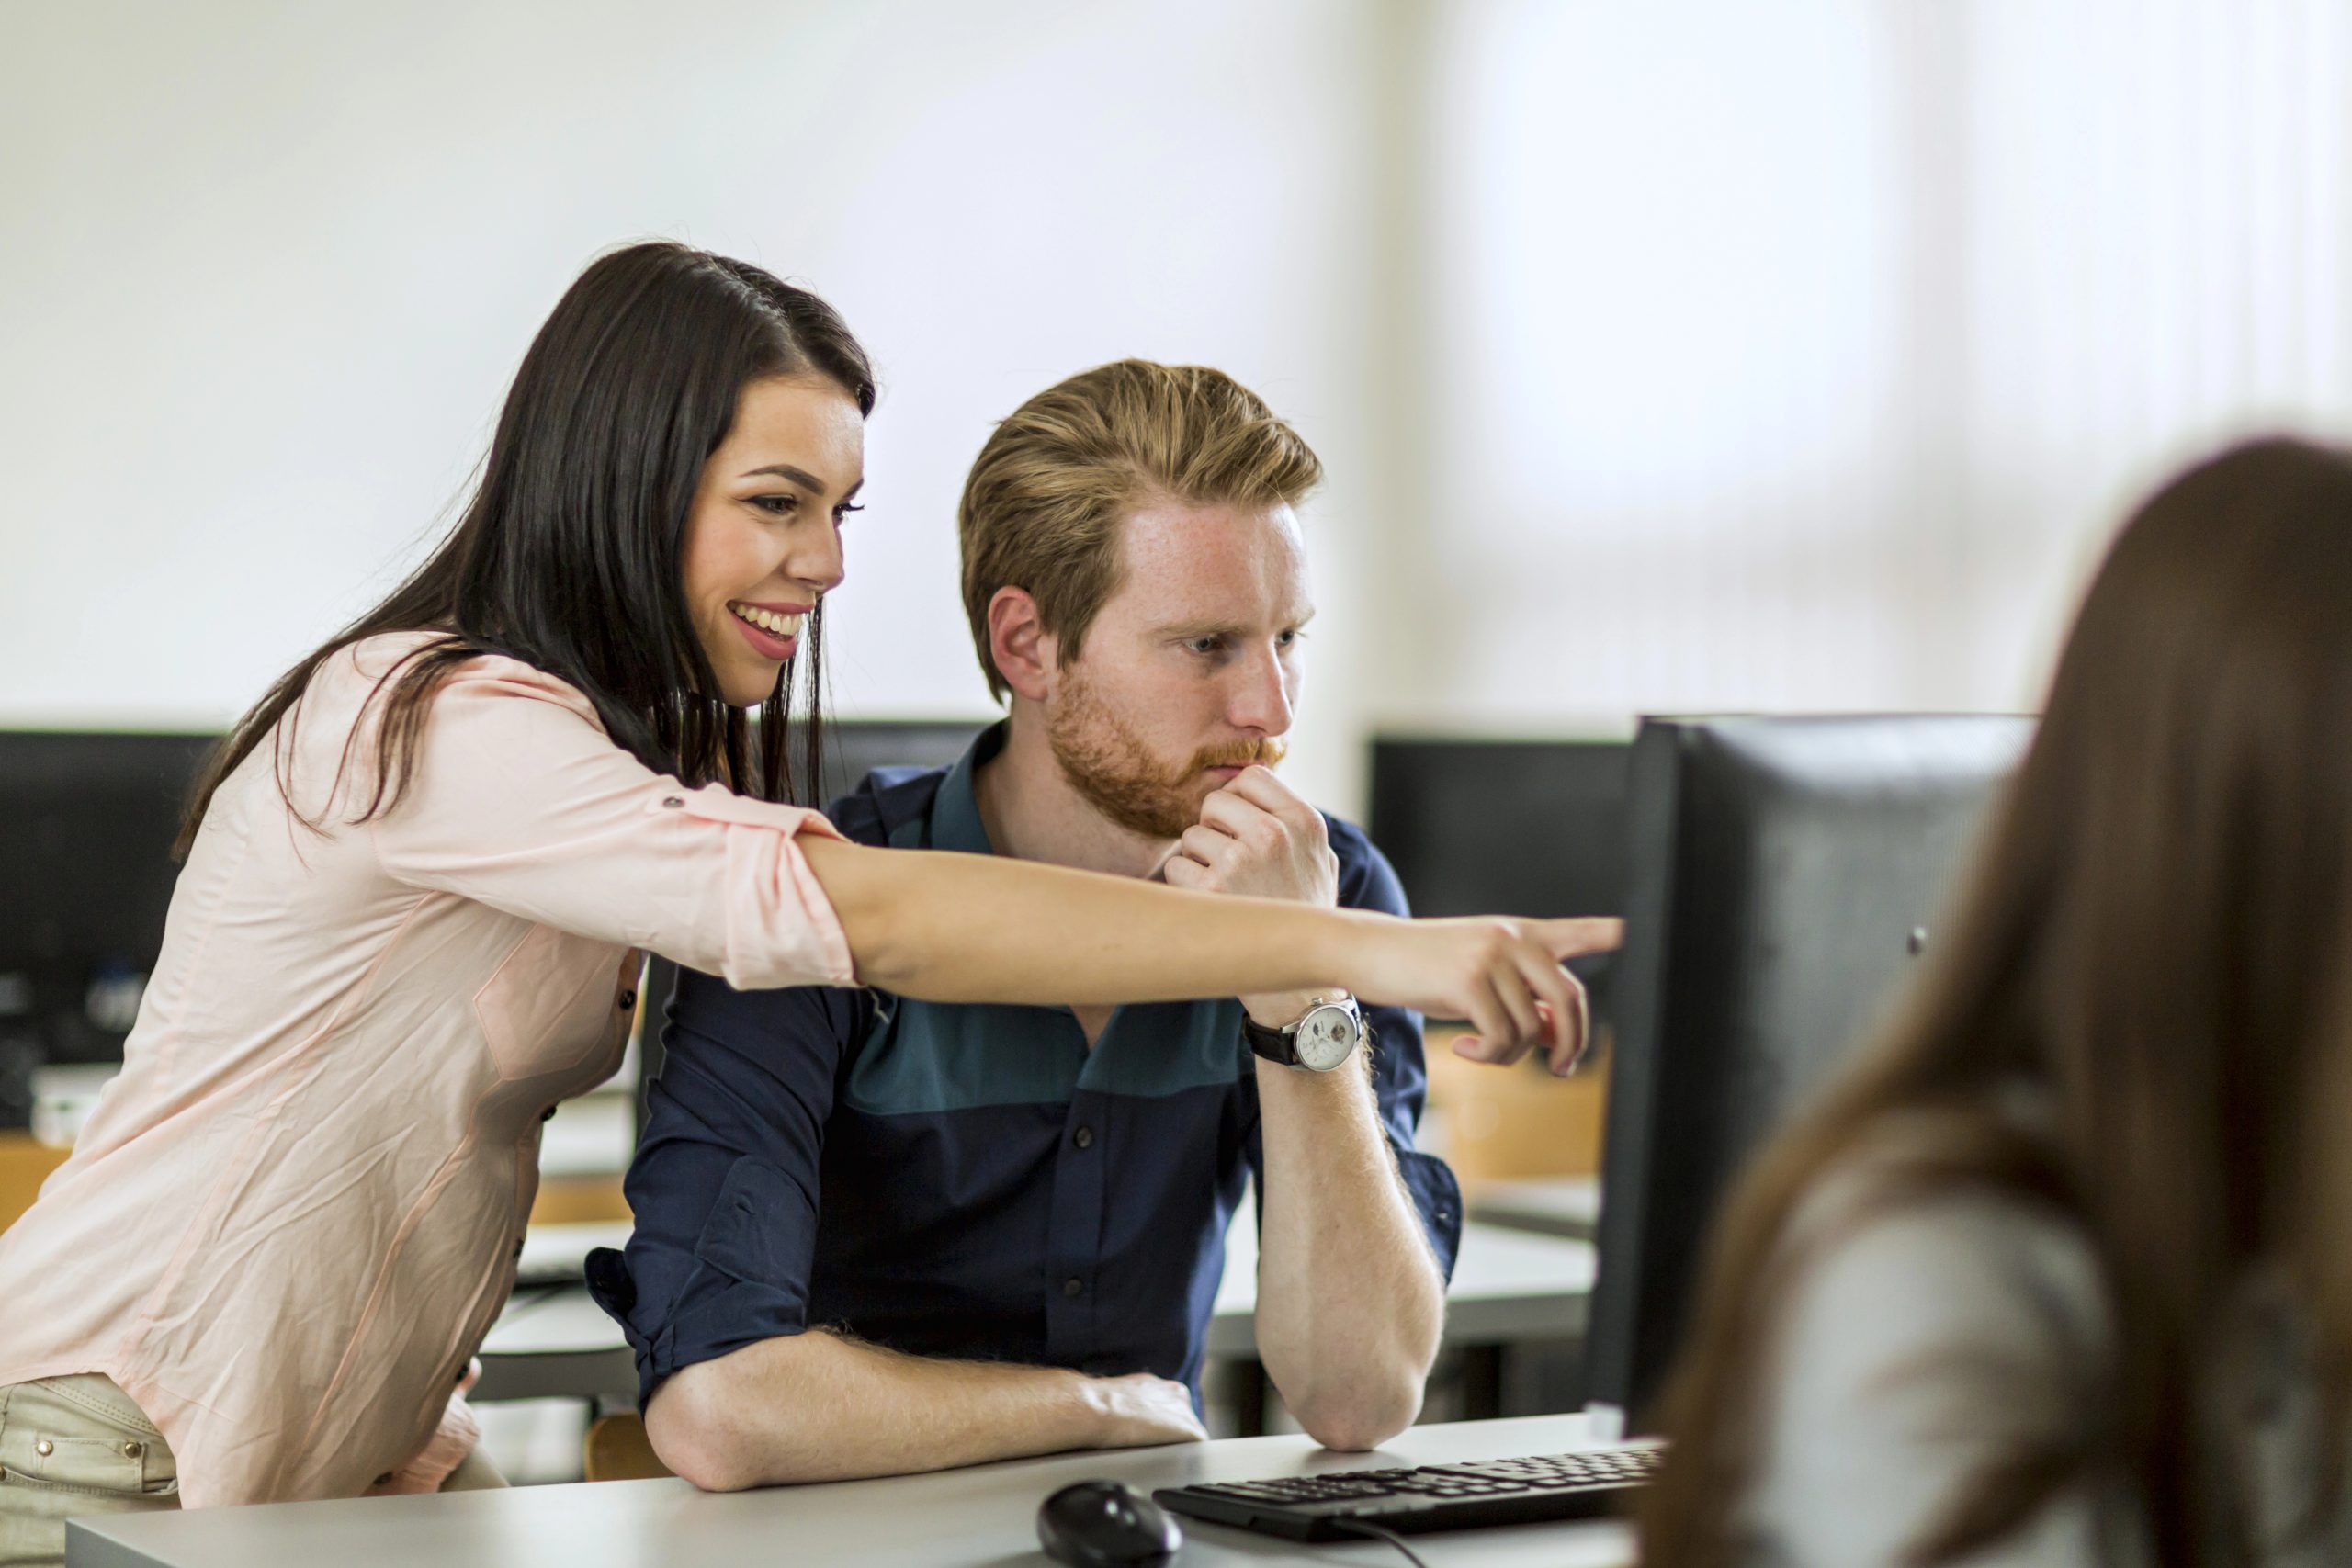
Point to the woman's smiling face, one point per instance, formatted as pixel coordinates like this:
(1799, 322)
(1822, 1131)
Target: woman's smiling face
(763, 539)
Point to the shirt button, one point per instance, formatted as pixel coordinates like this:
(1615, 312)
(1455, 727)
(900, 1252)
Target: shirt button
(134, 1450)
(627, 1001)
(518, 1255)
(674, 802)
(45, 1447)
(1073, 1285)
(549, 1114)
(1083, 1137)
(385, 1479)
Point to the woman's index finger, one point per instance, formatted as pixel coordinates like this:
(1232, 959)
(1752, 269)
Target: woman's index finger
(1580, 934)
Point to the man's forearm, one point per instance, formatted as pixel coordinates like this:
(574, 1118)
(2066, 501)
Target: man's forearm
(1351, 1305)
(817, 1406)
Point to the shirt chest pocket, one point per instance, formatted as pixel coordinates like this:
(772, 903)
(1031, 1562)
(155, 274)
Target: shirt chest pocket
(555, 1005)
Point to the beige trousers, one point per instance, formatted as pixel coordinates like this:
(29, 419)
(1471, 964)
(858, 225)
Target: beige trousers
(75, 1446)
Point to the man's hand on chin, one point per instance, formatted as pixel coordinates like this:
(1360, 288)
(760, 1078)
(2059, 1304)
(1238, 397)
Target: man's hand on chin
(1257, 838)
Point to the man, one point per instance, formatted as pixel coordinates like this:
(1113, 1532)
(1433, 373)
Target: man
(877, 1236)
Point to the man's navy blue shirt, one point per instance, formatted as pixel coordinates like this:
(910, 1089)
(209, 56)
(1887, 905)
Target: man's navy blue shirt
(958, 1180)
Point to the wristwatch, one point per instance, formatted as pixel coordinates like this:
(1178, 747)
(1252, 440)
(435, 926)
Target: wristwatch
(1325, 1036)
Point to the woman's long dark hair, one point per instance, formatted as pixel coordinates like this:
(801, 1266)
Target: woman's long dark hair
(2158, 936)
(568, 556)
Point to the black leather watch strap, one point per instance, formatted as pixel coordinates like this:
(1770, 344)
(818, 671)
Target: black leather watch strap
(1274, 1044)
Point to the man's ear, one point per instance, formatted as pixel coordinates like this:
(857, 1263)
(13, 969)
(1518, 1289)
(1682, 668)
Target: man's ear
(1026, 654)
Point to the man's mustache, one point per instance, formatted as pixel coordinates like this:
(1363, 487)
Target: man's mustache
(1267, 750)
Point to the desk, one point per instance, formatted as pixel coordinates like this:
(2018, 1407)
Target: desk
(1555, 1205)
(981, 1518)
(556, 1344)
(1508, 1287)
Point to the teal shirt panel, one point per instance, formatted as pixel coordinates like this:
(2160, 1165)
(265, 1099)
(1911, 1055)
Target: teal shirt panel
(923, 1057)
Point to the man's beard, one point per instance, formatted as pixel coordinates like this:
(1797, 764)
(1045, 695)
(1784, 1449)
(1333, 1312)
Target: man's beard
(1108, 763)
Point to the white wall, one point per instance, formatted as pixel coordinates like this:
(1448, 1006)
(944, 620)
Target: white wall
(264, 270)
(1803, 354)
(1692, 355)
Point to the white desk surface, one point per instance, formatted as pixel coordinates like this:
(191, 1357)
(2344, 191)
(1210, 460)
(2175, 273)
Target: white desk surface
(556, 1254)
(981, 1518)
(1508, 1287)
(1555, 1206)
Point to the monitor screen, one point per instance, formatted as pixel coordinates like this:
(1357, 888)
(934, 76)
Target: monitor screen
(1786, 873)
(855, 748)
(1502, 827)
(86, 826)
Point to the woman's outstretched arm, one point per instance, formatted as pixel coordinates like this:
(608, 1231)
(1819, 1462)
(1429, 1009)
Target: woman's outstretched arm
(520, 801)
(961, 928)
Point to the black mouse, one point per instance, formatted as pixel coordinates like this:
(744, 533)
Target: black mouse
(1105, 1524)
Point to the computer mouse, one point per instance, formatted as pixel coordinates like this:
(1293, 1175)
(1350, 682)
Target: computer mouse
(1105, 1524)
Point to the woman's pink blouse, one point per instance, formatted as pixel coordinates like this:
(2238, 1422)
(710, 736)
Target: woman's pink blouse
(291, 1219)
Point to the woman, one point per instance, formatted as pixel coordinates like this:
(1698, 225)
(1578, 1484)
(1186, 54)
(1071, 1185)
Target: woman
(417, 886)
(2060, 1273)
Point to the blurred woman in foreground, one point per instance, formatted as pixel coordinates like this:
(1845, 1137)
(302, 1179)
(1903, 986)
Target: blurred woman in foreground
(2061, 1273)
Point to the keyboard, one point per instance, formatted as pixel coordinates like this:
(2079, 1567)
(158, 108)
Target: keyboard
(1588, 1484)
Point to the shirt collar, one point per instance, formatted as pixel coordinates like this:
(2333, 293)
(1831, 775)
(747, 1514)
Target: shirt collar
(955, 809)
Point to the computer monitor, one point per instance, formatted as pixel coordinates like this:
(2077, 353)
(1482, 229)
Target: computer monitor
(1507, 827)
(855, 748)
(86, 825)
(1502, 827)
(1785, 873)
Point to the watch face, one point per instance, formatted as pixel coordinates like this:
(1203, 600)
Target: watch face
(1327, 1037)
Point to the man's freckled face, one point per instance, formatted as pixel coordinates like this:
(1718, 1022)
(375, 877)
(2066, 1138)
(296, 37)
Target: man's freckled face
(762, 539)
(1189, 671)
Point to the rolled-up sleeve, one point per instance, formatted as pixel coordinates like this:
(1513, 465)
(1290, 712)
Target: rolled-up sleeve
(725, 1185)
(520, 801)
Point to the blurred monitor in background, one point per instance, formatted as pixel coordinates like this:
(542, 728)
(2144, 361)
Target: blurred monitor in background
(86, 825)
(1507, 827)
(1503, 827)
(1785, 872)
(855, 748)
